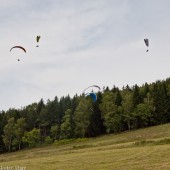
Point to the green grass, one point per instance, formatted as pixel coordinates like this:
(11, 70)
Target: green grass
(139, 149)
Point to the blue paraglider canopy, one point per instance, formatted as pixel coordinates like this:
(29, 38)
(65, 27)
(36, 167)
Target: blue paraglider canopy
(93, 96)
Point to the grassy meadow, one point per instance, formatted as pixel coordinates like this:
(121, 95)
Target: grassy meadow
(139, 149)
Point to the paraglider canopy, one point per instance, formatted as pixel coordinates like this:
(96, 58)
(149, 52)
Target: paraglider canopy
(20, 47)
(38, 39)
(93, 96)
(146, 43)
(93, 86)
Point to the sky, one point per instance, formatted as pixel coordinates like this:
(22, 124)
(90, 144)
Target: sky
(83, 42)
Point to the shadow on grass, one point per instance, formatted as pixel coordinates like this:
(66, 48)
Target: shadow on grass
(152, 142)
(125, 145)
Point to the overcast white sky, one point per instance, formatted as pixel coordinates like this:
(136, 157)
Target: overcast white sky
(83, 42)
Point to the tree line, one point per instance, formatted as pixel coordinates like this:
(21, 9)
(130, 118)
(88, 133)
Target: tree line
(116, 110)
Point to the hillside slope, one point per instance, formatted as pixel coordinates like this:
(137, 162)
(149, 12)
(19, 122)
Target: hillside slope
(140, 149)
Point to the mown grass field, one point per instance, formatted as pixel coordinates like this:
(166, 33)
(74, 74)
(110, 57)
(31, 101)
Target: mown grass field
(140, 149)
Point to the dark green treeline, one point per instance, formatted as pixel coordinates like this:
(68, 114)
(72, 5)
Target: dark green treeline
(78, 117)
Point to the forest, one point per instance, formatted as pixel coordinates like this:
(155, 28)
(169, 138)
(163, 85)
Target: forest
(116, 110)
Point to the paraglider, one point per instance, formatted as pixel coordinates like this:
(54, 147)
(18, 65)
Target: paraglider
(38, 39)
(146, 43)
(91, 94)
(20, 47)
